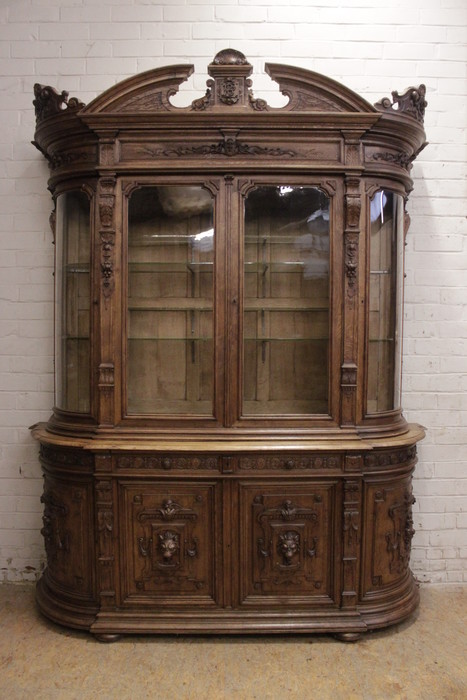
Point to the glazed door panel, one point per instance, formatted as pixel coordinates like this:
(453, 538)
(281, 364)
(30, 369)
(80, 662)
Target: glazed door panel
(286, 542)
(169, 542)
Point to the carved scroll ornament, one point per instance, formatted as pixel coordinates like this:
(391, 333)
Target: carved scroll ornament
(48, 101)
(412, 102)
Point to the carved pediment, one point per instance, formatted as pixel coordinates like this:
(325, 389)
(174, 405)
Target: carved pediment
(312, 92)
(228, 90)
(147, 92)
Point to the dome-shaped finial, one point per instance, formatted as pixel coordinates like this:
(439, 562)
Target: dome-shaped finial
(230, 57)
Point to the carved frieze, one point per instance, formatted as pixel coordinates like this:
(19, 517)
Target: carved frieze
(66, 458)
(399, 158)
(230, 146)
(166, 462)
(289, 462)
(389, 458)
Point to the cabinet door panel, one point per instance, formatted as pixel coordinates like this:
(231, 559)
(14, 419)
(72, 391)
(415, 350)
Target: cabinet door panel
(169, 541)
(287, 542)
(389, 532)
(67, 532)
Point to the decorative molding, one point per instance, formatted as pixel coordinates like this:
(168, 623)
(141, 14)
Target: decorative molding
(289, 462)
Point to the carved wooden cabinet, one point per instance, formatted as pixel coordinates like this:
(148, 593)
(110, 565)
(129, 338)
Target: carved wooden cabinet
(227, 451)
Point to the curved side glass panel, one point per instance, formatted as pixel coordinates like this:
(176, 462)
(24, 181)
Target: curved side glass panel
(385, 299)
(72, 295)
(170, 358)
(286, 301)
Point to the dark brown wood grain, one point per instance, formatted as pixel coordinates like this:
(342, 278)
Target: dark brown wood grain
(213, 516)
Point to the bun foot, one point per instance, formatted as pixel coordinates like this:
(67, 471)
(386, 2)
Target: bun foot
(348, 636)
(107, 638)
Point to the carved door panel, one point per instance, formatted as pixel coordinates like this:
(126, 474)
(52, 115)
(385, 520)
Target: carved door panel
(169, 541)
(389, 532)
(67, 524)
(287, 533)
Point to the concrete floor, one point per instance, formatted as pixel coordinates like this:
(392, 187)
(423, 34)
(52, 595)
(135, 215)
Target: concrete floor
(423, 658)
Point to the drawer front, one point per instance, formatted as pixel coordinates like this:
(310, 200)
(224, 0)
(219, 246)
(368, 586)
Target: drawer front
(286, 542)
(169, 541)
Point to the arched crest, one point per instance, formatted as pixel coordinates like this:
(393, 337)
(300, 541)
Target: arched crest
(312, 92)
(146, 92)
(228, 90)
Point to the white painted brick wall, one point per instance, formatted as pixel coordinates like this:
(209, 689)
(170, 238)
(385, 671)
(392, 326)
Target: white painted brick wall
(373, 47)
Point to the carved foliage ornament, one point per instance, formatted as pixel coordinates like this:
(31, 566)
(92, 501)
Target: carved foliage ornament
(48, 101)
(412, 102)
(56, 537)
(229, 147)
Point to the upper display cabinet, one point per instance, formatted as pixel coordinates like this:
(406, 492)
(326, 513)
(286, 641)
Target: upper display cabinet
(228, 307)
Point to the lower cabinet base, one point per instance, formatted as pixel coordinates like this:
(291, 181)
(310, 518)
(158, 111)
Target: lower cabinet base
(299, 540)
(347, 626)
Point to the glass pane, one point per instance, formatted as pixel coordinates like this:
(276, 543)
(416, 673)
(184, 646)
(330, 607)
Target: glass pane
(170, 362)
(286, 301)
(72, 294)
(386, 285)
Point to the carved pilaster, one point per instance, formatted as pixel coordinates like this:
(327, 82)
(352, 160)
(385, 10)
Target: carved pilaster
(353, 204)
(105, 542)
(351, 541)
(107, 233)
(106, 243)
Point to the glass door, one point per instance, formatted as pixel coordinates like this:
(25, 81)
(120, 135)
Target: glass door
(386, 300)
(170, 349)
(72, 302)
(286, 301)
